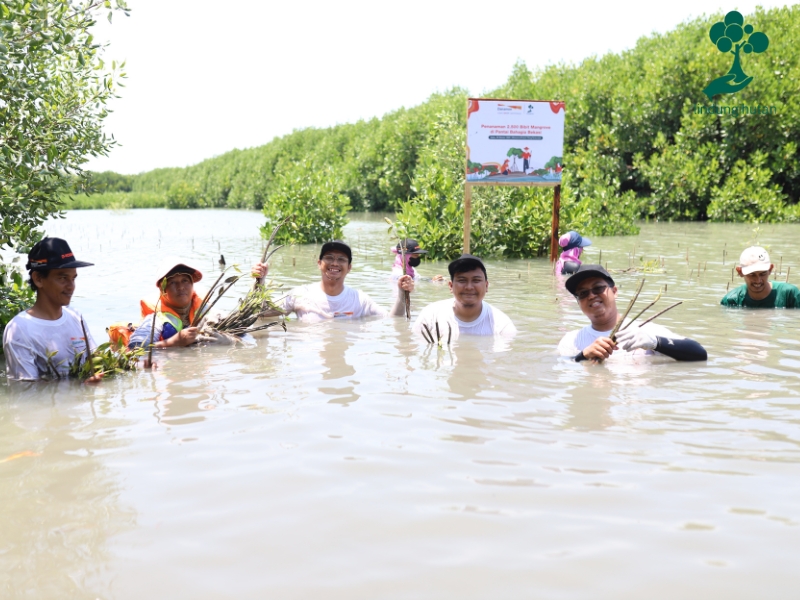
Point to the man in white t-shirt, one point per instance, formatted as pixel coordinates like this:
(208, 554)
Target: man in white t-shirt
(596, 294)
(331, 298)
(48, 328)
(466, 313)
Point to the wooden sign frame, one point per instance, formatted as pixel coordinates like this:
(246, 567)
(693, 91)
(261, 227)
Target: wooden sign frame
(468, 185)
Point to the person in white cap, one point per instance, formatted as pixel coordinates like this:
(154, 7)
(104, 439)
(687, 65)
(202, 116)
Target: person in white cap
(758, 291)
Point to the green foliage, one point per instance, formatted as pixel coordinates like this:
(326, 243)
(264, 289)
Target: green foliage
(105, 361)
(635, 147)
(747, 195)
(54, 89)
(108, 181)
(184, 195)
(16, 295)
(593, 202)
(435, 215)
(309, 194)
(115, 201)
(681, 174)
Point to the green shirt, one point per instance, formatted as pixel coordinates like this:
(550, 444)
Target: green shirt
(783, 295)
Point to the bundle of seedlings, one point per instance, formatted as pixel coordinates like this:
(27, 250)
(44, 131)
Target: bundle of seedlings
(439, 340)
(620, 327)
(106, 360)
(243, 318)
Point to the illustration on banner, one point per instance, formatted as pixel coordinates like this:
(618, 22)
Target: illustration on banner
(515, 141)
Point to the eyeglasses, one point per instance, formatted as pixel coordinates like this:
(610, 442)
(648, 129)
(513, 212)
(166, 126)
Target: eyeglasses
(335, 260)
(596, 291)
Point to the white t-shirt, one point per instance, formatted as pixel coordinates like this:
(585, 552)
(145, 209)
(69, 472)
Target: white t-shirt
(27, 341)
(577, 341)
(492, 321)
(310, 303)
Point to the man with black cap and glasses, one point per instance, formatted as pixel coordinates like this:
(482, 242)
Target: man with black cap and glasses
(331, 298)
(596, 294)
(466, 312)
(48, 326)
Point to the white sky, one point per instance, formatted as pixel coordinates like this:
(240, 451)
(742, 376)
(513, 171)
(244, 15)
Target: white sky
(207, 77)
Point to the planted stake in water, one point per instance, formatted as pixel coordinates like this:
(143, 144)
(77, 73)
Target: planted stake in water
(163, 287)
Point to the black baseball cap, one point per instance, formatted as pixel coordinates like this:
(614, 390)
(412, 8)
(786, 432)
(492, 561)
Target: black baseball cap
(53, 253)
(336, 245)
(585, 272)
(464, 263)
(411, 247)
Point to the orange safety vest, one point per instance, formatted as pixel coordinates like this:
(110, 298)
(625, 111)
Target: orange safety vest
(119, 333)
(150, 307)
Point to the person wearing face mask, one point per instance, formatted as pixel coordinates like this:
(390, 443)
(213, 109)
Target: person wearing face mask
(572, 244)
(413, 256)
(758, 291)
(330, 298)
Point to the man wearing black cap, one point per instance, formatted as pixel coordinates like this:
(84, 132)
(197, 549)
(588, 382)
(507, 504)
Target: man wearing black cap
(48, 328)
(596, 294)
(331, 298)
(466, 312)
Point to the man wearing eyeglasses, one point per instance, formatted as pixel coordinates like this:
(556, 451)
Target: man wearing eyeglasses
(758, 291)
(331, 298)
(596, 294)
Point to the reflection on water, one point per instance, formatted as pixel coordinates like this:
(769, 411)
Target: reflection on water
(60, 500)
(387, 467)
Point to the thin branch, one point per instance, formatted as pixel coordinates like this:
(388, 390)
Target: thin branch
(660, 313)
(630, 306)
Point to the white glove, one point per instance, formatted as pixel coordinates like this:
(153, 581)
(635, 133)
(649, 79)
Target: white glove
(213, 336)
(635, 337)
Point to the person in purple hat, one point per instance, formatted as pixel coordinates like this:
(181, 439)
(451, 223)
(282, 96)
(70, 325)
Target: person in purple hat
(413, 254)
(573, 245)
(49, 328)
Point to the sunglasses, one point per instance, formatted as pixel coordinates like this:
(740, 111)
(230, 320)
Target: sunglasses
(595, 291)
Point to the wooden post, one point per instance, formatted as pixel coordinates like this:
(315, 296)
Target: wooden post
(467, 215)
(554, 227)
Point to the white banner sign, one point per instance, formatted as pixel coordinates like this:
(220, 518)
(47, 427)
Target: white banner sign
(514, 141)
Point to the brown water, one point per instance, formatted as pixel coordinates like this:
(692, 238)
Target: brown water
(343, 460)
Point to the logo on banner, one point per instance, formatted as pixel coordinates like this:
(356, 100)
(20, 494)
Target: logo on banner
(732, 36)
(509, 109)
